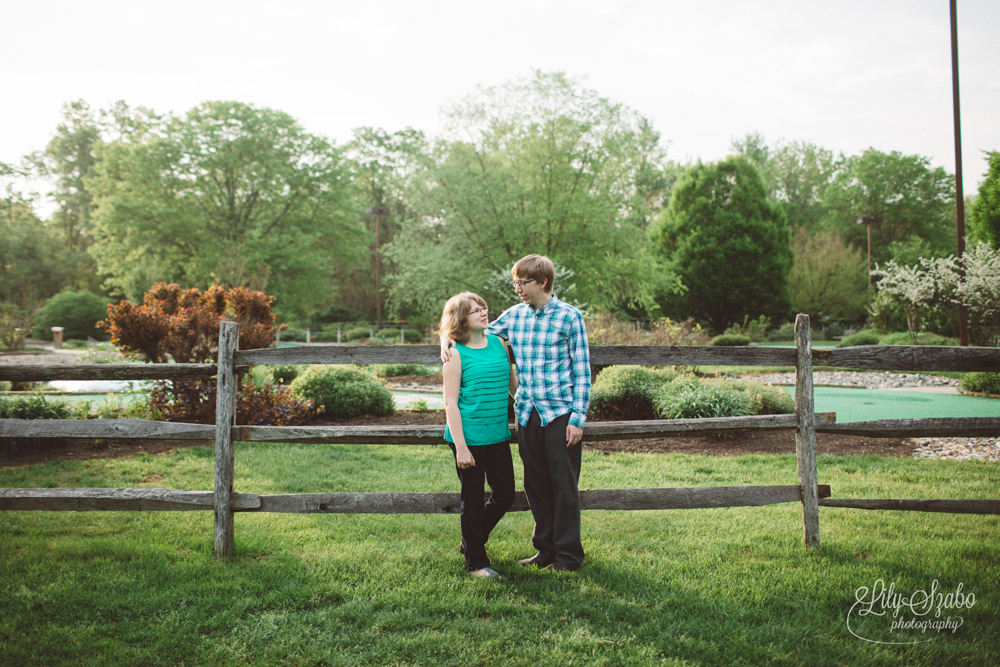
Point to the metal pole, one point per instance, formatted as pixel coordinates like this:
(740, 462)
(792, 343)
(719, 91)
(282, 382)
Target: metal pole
(869, 226)
(963, 330)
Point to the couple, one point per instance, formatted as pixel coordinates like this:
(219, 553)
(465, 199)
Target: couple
(552, 384)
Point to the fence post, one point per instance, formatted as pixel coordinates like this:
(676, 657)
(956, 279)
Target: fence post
(225, 413)
(805, 434)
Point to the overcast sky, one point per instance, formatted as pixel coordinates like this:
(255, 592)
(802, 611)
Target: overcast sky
(844, 74)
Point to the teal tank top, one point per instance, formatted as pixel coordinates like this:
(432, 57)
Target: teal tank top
(482, 397)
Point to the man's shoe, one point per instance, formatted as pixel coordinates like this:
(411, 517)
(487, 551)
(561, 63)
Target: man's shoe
(486, 573)
(561, 567)
(537, 560)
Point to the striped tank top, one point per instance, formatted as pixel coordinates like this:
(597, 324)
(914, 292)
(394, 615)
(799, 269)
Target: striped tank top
(482, 397)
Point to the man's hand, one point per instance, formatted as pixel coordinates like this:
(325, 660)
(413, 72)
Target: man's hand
(574, 434)
(446, 345)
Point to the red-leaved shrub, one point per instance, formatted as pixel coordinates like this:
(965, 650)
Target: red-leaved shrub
(183, 325)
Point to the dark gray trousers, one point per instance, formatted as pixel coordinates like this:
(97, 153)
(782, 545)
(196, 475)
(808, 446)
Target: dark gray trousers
(551, 478)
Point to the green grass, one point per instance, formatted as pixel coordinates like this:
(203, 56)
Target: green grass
(694, 587)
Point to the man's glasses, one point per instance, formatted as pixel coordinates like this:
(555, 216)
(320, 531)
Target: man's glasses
(522, 283)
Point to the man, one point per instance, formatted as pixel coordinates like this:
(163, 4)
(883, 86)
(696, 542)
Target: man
(549, 341)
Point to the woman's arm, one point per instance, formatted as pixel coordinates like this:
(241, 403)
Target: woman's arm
(452, 376)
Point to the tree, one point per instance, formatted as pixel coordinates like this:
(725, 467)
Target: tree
(828, 279)
(229, 192)
(541, 165)
(902, 193)
(728, 243)
(32, 266)
(382, 166)
(985, 212)
(795, 174)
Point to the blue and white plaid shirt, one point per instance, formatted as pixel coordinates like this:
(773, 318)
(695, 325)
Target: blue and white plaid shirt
(553, 360)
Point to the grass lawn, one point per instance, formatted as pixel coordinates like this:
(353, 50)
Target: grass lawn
(686, 587)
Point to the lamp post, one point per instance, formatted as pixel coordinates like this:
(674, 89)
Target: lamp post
(867, 221)
(378, 211)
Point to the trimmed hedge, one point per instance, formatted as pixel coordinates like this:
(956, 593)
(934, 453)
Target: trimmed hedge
(344, 391)
(77, 311)
(730, 340)
(396, 370)
(859, 338)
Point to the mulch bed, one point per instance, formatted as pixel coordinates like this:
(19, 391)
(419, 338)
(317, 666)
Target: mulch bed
(736, 444)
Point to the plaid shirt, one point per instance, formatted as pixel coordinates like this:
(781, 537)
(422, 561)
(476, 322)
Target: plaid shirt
(552, 357)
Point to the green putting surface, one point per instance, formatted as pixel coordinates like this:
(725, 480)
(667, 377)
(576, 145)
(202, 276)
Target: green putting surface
(855, 405)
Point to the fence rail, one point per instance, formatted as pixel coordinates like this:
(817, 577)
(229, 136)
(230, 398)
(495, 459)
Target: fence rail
(224, 501)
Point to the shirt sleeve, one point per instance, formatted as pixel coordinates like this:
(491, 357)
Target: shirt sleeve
(499, 326)
(579, 354)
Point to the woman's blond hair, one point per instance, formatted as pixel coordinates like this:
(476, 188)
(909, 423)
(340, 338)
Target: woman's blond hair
(455, 318)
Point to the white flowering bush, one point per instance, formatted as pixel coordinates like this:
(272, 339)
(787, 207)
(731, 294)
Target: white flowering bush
(926, 286)
(934, 284)
(979, 292)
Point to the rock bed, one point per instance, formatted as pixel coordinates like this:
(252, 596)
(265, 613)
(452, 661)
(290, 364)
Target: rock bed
(958, 449)
(861, 379)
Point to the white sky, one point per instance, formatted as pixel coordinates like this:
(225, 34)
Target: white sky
(845, 74)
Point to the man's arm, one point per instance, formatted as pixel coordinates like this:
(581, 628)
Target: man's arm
(579, 355)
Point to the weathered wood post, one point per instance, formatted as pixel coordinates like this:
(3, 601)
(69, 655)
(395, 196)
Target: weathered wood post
(225, 413)
(805, 434)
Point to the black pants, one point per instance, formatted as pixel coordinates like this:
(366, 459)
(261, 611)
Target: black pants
(551, 479)
(493, 465)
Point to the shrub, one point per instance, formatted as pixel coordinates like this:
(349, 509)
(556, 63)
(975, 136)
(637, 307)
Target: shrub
(193, 402)
(698, 400)
(396, 370)
(184, 325)
(13, 325)
(765, 399)
(283, 373)
(607, 329)
(392, 335)
(688, 397)
(922, 338)
(33, 406)
(344, 391)
(355, 334)
(419, 405)
(730, 340)
(627, 392)
(860, 338)
(984, 383)
(77, 311)
(785, 332)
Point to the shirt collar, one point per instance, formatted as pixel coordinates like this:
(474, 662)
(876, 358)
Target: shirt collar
(547, 307)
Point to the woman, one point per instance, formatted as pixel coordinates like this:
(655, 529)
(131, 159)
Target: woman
(476, 382)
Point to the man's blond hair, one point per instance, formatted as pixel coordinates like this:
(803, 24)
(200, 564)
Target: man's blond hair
(535, 267)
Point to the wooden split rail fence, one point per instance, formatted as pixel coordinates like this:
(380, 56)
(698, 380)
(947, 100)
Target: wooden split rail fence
(225, 501)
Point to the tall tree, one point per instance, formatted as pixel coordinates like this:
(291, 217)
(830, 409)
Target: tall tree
(795, 175)
(540, 165)
(985, 212)
(229, 192)
(32, 258)
(728, 243)
(902, 194)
